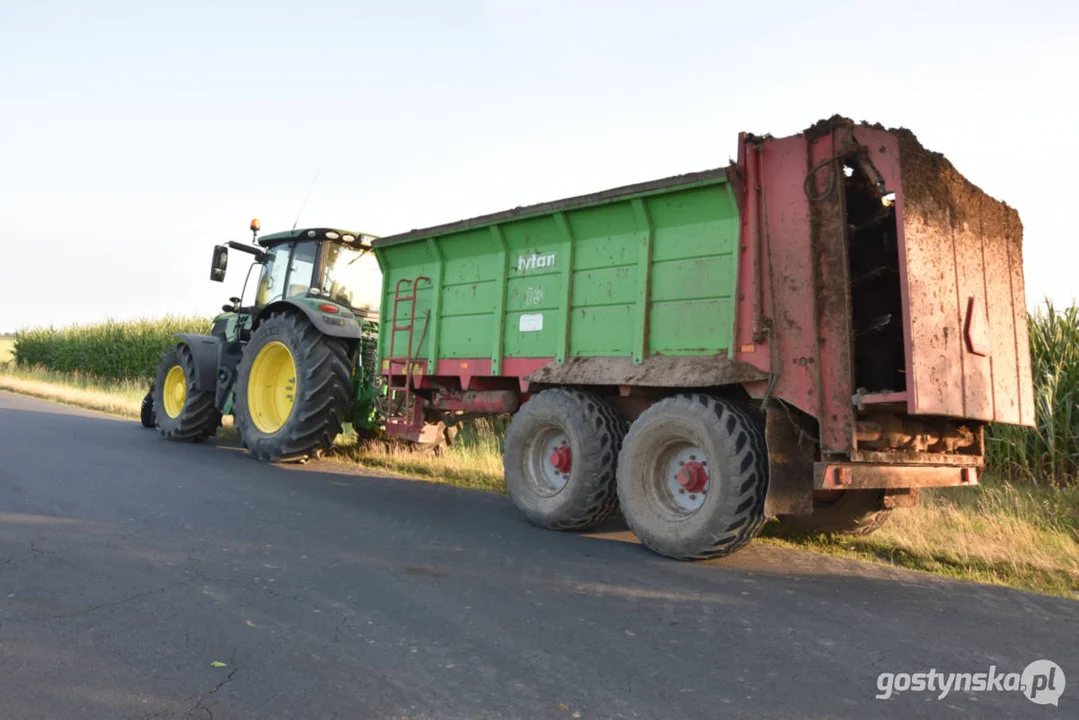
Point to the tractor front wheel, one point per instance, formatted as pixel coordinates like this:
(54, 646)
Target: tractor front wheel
(179, 409)
(293, 390)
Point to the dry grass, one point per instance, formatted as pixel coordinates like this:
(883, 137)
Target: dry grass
(1000, 533)
(475, 461)
(83, 391)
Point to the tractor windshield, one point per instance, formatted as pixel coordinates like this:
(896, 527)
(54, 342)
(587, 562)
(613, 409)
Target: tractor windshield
(351, 277)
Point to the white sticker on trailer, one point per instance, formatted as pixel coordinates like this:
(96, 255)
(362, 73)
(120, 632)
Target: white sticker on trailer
(532, 323)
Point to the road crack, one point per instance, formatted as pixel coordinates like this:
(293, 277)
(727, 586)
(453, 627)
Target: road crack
(198, 699)
(344, 622)
(202, 697)
(107, 605)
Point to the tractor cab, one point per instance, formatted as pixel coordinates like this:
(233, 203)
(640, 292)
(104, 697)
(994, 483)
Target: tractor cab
(317, 264)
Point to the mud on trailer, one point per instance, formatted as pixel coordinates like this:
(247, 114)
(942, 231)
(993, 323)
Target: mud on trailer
(812, 334)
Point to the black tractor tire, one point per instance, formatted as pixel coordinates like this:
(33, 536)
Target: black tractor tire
(592, 431)
(715, 520)
(322, 393)
(146, 412)
(855, 513)
(198, 418)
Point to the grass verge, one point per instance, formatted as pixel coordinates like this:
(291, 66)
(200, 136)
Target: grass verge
(475, 460)
(1010, 534)
(999, 533)
(462, 465)
(85, 391)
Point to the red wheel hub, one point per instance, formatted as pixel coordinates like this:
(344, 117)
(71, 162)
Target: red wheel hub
(693, 476)
(562, 459)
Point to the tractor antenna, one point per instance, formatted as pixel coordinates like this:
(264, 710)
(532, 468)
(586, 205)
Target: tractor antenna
(305, 197)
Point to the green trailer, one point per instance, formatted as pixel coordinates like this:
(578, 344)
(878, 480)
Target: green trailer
(806, 334)
(812, 333)
(644, 271)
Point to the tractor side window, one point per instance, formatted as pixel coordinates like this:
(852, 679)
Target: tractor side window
(272, 278)
(303, 267)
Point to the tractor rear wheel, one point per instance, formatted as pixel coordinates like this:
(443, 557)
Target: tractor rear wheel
(181, 411)
(692, 477)
(853, 512)
(559, 459)
(293, 390)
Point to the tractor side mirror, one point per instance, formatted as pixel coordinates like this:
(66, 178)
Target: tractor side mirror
(220, 263)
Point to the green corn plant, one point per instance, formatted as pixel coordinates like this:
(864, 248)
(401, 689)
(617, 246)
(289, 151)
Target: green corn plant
(112, 350)
(1048, 452)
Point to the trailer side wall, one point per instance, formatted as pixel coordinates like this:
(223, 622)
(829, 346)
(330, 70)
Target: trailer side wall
(644, 273)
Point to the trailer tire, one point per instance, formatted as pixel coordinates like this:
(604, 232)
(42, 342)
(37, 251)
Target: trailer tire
(180, 411)
(302, 385)
(668, 487)
(584, 433)
(855, 513)
(146, 412)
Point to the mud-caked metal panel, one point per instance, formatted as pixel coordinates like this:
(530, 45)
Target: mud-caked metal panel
(961, 256)
(1022, 330)
(793, 317)
(777, 301)
(832, 257)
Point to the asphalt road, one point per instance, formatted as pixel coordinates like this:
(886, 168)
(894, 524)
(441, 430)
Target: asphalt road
(129, 565)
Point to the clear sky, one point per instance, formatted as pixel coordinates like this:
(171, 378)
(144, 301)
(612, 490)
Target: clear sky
(135, 135)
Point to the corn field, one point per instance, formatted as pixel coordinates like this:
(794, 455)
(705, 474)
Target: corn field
(1049, 452)
(111, 350)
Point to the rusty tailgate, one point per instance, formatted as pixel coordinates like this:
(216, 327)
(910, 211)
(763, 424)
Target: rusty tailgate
(961, 257)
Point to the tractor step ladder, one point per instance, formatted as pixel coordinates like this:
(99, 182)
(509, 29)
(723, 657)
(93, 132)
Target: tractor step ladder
(408, 360)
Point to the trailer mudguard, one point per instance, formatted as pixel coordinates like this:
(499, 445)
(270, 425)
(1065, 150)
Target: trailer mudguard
(332, 324)
(204, 348)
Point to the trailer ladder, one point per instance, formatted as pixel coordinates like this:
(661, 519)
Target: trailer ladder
(408, 361)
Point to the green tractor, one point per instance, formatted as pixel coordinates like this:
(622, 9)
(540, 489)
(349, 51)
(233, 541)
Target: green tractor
(293, 362)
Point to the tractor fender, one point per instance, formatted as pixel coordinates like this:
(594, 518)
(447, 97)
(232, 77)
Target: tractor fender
(348, 328)
(204, 348)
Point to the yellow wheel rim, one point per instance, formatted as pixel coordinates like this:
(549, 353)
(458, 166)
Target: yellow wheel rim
(174, 394)
(271, 388)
